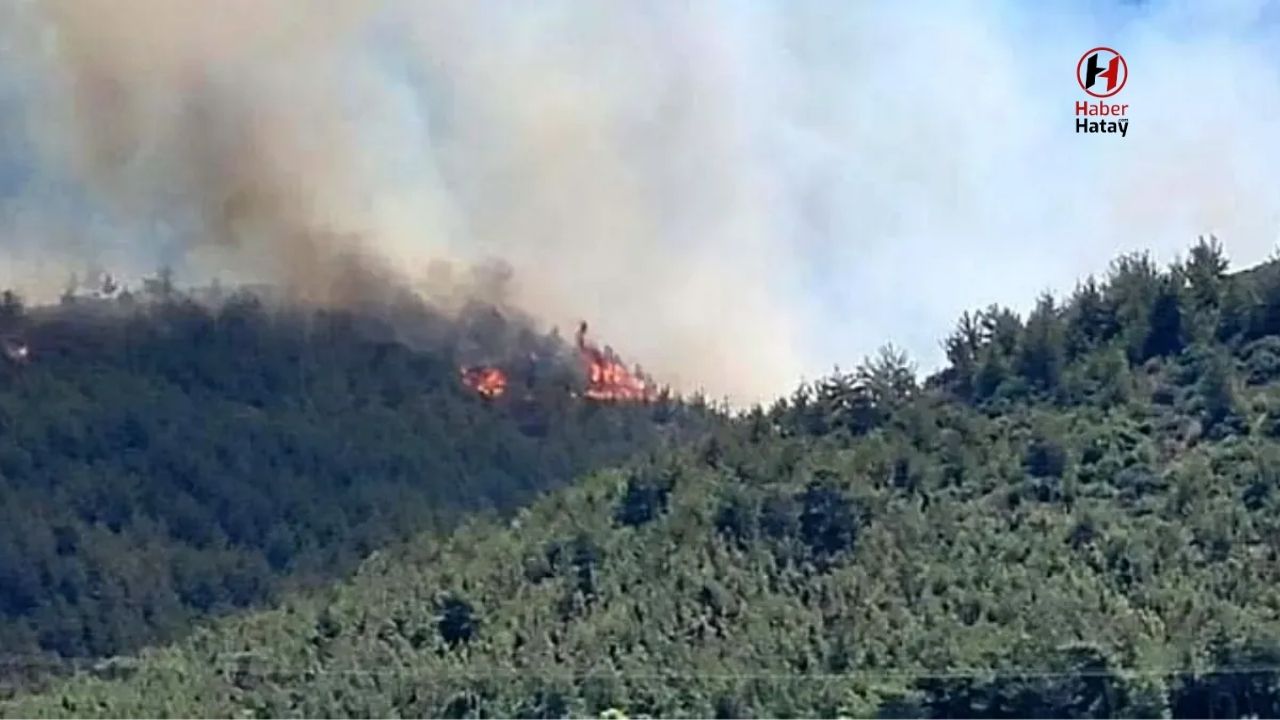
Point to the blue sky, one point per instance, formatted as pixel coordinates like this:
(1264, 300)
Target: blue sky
(739, 194)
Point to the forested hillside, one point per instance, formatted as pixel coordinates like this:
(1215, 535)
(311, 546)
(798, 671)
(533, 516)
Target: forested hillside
(164, 458)
(1077, 517)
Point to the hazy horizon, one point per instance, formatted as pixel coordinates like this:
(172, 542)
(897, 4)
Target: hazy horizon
(736, 195)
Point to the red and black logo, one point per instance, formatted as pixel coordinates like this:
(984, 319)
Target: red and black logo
(1102, 72)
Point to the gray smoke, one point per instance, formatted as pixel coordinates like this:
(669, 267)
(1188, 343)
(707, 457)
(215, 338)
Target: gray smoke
(735, 194)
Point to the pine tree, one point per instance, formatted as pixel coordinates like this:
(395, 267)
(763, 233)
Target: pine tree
(1090, 318)
(1217, 389)
(1042, 354)
(1165, 324)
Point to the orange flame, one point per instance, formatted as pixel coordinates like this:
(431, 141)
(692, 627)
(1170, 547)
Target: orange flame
(489, 382)
(607, 378)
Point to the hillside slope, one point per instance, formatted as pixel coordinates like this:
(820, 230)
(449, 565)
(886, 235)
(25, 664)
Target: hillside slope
(163, 459)
(1078, 517)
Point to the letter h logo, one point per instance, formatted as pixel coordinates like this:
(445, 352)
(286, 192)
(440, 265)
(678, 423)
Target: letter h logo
(1102, 63)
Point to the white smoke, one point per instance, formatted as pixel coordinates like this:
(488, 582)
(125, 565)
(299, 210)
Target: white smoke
(735, 194)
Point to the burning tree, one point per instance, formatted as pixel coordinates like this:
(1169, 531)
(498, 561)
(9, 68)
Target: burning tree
(489, 382)
(607, 378)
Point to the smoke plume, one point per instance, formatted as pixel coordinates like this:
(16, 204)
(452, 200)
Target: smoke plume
(735, 194)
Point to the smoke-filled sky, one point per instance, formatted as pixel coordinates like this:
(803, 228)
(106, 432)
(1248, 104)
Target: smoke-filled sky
(736, 194)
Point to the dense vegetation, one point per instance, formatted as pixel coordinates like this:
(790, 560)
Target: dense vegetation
(163, 459)
(1077, 517)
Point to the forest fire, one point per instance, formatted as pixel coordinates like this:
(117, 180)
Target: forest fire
(607, 378)
(489, 382)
